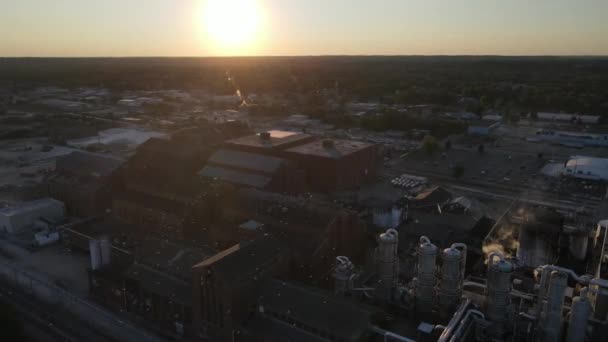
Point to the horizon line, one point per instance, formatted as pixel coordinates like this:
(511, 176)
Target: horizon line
(313, 55)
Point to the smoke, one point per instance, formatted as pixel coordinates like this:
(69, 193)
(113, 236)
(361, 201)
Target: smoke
(503, 242)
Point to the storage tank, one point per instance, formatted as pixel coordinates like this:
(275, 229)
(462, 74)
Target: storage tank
(498, 291)
(95, 253)
(580, 312)
(426, 277)
(342, 273)
(388, 262)
(551, 318)
(450, 289)
(106, 250)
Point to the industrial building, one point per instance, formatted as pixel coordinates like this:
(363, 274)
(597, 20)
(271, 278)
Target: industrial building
(332, 165)
(18, 218)
(226, 284)
(253, 170)
(587, 168)
(272, 142)
(83, 181)
(305, 162)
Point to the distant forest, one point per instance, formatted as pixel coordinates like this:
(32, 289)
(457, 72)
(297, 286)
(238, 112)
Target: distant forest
(569, 84)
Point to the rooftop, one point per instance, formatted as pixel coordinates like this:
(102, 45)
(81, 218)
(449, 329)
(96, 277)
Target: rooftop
(277, 139)
(334, 149)
(170, 257)
(245, 160)
(245, 259)
(89, 164)
(27, 207)
(161, 283)
(315, 309)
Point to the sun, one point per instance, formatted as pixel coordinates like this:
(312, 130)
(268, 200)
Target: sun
(232, 25)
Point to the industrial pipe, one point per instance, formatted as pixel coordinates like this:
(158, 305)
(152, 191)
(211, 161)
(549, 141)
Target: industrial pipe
(390, 334)
(447, 332)
(464, 321)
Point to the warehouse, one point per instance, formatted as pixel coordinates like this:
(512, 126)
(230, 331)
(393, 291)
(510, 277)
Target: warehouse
(587, 168)
(16, 219)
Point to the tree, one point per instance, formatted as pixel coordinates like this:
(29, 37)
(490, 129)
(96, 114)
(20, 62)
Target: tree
(429, 143)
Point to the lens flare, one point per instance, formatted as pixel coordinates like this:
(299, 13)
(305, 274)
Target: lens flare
(232, 26)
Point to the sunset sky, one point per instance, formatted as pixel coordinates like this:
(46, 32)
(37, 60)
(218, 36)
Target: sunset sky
(302, 27)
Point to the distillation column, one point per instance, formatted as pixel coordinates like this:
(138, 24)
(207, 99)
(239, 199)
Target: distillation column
(579, 317)
(426, 278)
(450, 289)
(551, 318)
(342, 275)
(388, 263)
(498, 292)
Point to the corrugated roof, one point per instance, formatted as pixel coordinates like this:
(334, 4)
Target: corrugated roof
(242, 178)
(244, 160)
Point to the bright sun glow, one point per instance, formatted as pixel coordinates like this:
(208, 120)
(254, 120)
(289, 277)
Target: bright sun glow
(232, 25)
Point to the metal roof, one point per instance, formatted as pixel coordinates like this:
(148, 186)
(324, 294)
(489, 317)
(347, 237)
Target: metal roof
(244, 160)
(236, 177)
(596, 167)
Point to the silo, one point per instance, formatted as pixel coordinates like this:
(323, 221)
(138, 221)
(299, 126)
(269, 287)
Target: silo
(450, 289)
(551, 318)
(580, 312)
(498, 291)
(342, 274)
(388, 262)
(426, 277)
(106, 250)
(95, 253)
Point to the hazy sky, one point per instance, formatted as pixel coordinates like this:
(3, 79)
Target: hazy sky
(308, 27)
